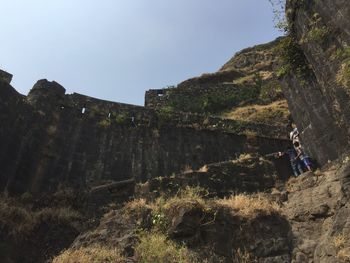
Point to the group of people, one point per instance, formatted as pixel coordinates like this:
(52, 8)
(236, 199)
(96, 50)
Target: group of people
(299, 160)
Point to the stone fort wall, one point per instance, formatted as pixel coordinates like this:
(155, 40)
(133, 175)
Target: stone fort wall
(207, 93)
(49, 138)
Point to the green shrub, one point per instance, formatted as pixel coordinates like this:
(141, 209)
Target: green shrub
(342, 53)
(166, 110)
(271, 91)
(164, 115)
(292, 59)
(120, 118)
(215, 103)
(155, 248)
(317, 32)
(159, 219)
(105, 123)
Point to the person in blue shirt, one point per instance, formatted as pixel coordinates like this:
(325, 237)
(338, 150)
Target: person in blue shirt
(294, 160)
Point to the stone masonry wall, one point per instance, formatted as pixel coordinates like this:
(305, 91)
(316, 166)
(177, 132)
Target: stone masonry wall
(50, 139)
(197, 98)
(5, 77)
(199, 94)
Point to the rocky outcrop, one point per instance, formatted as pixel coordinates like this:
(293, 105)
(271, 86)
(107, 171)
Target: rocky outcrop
(317, 210)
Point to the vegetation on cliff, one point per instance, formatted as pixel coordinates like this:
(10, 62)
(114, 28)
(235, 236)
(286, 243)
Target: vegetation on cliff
(173, 229)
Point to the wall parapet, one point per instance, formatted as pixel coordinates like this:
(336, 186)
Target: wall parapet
(5, 76)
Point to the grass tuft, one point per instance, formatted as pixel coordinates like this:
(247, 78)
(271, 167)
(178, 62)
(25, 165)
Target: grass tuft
(276, 113)
(20, 220)
(343, 75)
(94, 254)
(243, 257)
(249, 206)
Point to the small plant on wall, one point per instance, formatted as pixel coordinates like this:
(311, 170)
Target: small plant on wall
(120, 118)
(317, 31)
(292, 59)
(105, 123)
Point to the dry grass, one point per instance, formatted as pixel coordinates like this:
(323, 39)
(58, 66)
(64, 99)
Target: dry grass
(250, 134)
(188, 195)
(165, 208)
(17, 219)
(343, 75)
(242, 158)
(252, 77)
(187, 169)
(203, 169)
(266, 75)
(135, 208)
(185, 195)
(276, 113)
(96, 254)
(156, 248)
(249, 206)
(339, 241)
(135, 204)
(292, 184)
(243, 257)
(142, 189)
(246, 80)
(61, 214)
(20, 220)
(344, 255)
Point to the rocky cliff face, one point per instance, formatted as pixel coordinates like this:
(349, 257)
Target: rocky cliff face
(318, 212)
(316, 74)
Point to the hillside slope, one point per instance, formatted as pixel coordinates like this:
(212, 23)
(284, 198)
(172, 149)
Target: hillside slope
(244, 84)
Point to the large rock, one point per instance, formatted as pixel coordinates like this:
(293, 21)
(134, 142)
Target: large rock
(318, 211)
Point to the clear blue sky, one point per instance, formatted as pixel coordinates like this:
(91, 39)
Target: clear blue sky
(117, 49)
